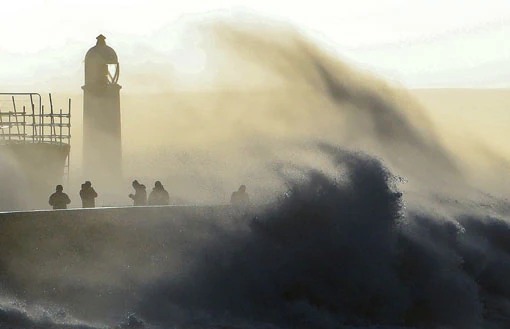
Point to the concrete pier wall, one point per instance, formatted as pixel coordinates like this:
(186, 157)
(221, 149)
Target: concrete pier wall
(81, 255)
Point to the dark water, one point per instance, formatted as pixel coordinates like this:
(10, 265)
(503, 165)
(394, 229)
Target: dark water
(331, 253)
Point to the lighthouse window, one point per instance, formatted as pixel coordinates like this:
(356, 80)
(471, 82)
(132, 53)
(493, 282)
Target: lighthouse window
(112, 70)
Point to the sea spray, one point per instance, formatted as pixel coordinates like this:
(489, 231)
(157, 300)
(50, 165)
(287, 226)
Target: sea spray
(331, 243)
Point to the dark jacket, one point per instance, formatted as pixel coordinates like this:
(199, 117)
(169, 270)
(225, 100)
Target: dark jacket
(88, 197)
(159, 196)
(59, 200)
(239, 198)
(140, 196)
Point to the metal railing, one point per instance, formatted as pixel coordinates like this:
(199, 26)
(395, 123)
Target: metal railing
(24, 119)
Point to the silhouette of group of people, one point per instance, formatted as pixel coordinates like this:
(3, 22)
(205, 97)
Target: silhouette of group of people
(158, 196)
(60, 200)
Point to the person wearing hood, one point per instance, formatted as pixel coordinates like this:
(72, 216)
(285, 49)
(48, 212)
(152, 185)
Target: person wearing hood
(140, 196)
(159, 196)
(88, 195)
(240, 198)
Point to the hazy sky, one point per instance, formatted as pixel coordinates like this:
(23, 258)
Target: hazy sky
(416, 43)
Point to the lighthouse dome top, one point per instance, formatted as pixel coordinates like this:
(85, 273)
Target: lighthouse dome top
(101, 52)
(101, 66)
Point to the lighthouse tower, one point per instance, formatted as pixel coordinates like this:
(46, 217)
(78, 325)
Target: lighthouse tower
(102, 147)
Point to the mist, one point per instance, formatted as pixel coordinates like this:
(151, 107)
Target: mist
(364, 212)
(262, 96)
(266, 99)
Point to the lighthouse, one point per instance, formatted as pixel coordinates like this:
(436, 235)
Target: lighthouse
(102, 147)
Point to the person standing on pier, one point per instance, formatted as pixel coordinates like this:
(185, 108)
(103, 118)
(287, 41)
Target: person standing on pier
(159, 196)
(88, 195)
(59, 200)
(140, 196)
(240, 198)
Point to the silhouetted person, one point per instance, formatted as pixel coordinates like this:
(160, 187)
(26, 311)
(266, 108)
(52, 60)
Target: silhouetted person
(140, 196)
(159, 196)
(240, 197)
(88, 195)
(59, 200)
